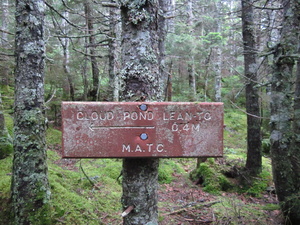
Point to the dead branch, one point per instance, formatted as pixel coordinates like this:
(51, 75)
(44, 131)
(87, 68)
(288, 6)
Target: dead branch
(192, 205)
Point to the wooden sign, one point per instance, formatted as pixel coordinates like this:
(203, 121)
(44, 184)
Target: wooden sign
(142, 129)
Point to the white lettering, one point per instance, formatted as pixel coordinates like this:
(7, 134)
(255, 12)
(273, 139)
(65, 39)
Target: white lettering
(126, 115)
(150, 115)
(134, 116)
(160, 148)
(195, 127)
(172, 116)
(174, 127)
(138, 149)
(188, 116)
(186, 127)
(138, 115)
(80, 116)
(149, 147)
(110, 115)
(126, 148)
(102, 115)
(179, 117)
(207, 116)
(94, 115)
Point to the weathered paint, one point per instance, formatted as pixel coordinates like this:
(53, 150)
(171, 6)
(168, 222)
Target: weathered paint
(142, 129)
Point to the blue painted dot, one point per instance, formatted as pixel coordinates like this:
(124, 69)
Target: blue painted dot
(144, 136)
(143, 107)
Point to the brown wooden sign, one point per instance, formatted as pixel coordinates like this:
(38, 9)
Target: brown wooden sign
(142, 129)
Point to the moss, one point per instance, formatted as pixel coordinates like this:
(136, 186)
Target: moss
(9, 124)
(75, 200)
(210, 176)
(234, 211)
(270, 207)
(5, 181)
(167, 168)
(6, 147)
(53, 136)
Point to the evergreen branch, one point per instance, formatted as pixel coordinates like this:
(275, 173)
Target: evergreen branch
(63, 17)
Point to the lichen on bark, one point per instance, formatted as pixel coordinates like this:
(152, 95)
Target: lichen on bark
(285, 115)
(140, 74)
(30, 187)
(142, 80)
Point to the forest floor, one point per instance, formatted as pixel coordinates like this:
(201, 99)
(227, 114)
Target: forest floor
(182, 202)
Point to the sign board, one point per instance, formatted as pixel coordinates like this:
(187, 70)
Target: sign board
(142, 129)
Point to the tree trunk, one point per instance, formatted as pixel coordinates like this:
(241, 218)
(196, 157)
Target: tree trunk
(191, 63)
(4, 69)
(65, 45)
(169, 12)
(140, 81)
(30, 187)
(254, 157)
(85, 69)
(218, 64)
(285, 133)
(92, 45)
(114, 52)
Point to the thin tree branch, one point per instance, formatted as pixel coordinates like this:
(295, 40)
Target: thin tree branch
(68, 21)
(249, 114)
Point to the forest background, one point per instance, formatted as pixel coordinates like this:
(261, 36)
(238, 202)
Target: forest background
(204, 57)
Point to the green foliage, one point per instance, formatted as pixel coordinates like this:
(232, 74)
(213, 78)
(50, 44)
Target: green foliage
(53, 136)
(257, 185)
(5, 181)
(212, 38)
(167, 167)
(213, 180)
(234, 211)
(266, 146)
(74, 199)
(214, 174)
(232, 88)
(7, 93)
(235, 132)
(6, 145)
(9, 124)
(270, 207)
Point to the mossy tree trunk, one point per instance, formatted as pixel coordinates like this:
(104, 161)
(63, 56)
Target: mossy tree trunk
(285, 117)
(254, 155)
(30, 188)
(141, 81)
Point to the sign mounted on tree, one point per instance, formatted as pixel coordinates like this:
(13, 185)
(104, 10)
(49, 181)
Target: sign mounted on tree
(142, 129)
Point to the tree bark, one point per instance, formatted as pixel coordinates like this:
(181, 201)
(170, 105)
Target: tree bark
(254, 157)
(285, 116)
(30, 187)
(141, 78)
(191, 63)
(114, 52)
(4, 69)
(65, 45)
(218, 64)
(95, 70)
